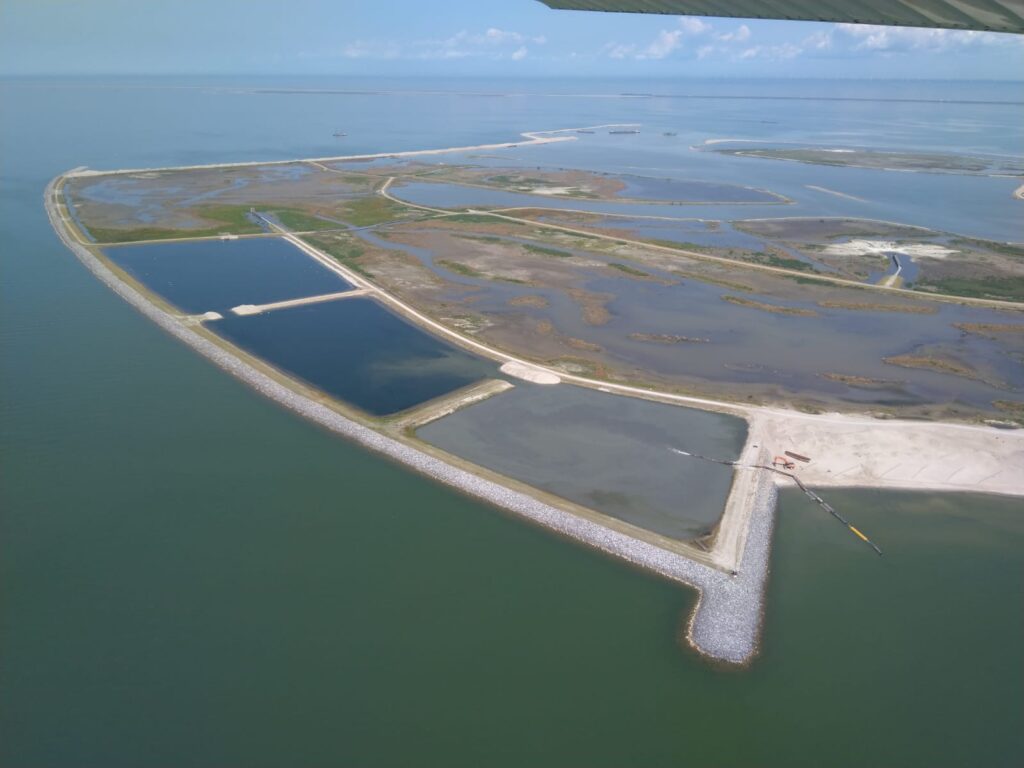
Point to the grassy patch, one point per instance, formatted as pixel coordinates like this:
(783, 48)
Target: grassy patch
(629, 270)
(459, 269)
(783, 262)
(678, 246)
(542, 251)
(471, 218)
(367, 211)
(1001, 288)
(808, 280)
(721, 282)
(343, 250)
(231, 219)
(303, 222)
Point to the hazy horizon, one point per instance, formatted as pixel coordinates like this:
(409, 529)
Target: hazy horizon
(463, 38)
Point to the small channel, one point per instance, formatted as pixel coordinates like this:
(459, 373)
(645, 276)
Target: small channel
(898, 262)
(357, 351)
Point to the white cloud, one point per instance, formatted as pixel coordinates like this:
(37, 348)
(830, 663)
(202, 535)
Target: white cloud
(692, 26)
(616, 51)
(492, 43)
(864, 37)
(739, 35)
(665, 42)
(662, 45)
(771, 52)
(819, 41)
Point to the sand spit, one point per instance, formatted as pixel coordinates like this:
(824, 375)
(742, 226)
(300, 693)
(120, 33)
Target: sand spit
(530, 138)
(727, 620)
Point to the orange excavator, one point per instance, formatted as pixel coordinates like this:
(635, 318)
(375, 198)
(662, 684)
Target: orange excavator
(782, 461)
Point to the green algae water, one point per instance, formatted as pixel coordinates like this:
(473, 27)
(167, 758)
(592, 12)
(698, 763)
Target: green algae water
(190, 576)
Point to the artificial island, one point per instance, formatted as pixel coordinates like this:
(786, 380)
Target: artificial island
(635, 361)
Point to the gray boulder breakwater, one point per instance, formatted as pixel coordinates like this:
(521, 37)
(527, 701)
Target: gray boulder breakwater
(724, 626)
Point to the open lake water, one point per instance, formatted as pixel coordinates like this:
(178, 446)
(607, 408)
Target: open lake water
(191, 576)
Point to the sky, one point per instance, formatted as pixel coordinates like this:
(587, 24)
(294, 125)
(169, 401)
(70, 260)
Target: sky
(516, 38)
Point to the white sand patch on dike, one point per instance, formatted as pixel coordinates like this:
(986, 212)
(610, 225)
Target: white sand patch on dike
(882, 247)
(529, 373)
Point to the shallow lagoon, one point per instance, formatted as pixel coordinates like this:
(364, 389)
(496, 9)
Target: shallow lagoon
(603, 451)
(216, 275)
(358, 351)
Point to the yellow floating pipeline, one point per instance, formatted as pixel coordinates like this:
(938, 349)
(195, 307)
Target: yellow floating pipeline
(865, 538)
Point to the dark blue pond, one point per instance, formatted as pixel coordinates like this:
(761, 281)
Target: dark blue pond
(219, 274)
(357, 351)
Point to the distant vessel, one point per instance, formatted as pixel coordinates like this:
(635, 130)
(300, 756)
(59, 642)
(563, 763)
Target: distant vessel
(583, 130)
(632, 130)
(669, 133)
(340, 133)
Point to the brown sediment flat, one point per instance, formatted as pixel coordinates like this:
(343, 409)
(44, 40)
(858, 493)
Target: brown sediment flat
(586, 346)
(774, 309)
(930, 363)
(528, 301)
(667, 338)
(867, 306)
(862, 382)
(991, 330)
(593, 305)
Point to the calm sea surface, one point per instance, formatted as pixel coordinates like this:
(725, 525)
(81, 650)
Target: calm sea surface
(190, 576)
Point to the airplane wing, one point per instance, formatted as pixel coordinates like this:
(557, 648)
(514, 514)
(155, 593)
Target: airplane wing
(982, 15)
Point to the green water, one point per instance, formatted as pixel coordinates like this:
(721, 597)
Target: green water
(190, 576)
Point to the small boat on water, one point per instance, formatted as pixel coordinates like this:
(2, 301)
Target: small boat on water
(583, 130)
(669, 133)
(339, 134)
(631, 130)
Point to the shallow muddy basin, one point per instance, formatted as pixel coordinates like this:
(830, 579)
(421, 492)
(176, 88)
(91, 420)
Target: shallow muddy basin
(358, 351)
(215, 275)
(602, 451)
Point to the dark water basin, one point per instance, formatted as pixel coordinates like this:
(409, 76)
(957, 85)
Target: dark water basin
(357, 351)
(603, 451)
(219, 274)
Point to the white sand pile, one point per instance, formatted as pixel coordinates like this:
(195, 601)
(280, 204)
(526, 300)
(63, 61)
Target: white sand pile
(554, 190)
(529, 373)
(880, 247)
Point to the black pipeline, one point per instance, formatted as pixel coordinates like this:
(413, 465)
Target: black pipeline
(810, 494)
